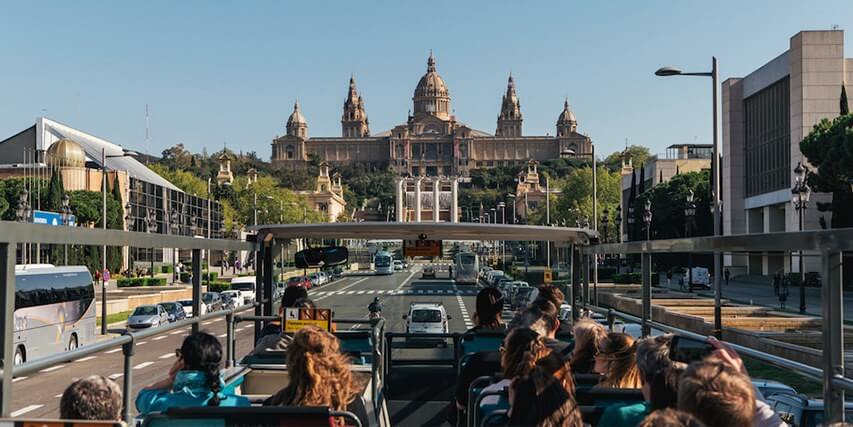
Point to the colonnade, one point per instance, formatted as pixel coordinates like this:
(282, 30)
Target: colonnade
(401, 187)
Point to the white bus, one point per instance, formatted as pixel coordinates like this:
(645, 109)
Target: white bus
(54, 310)
(466, 268)
(383, 263)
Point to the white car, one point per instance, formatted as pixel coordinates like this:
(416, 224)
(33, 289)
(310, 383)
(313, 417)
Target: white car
(398, 265)
(493, 276)
(236, 295)
(426, 318)
(246, 286)
(187, 304)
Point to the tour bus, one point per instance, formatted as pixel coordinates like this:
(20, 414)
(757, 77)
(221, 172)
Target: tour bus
(54, 310)
(465, 268)
(383, 263)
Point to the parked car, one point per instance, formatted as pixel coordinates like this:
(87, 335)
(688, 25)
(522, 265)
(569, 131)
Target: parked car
(246, 286)
(337, 273)
(800, 411)
(235, 295)
(212, 301)
(147, 316)
(770, 387)
(302, 281)
(228, 301)
(493, 276)
(175, 310)
(524, 296)
(187, 305)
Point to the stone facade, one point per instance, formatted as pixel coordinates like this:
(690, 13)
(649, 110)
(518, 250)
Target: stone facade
(431, 142)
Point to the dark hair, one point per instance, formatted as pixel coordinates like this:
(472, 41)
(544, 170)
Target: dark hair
(91, 398)
(551, 293)
(541, 400)
(203, 352)
(489, 307)
(670, 418)
(522, 348)
(541, 317)
(303, 303)
(292, 294)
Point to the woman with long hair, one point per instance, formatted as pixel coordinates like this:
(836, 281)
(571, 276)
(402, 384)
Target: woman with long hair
(538, 399)
(521, 350)
(588, 334)
(194, 379)
(617, 361)
(319, 373)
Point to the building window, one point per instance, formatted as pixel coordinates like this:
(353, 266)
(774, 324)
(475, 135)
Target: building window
(767, 143)
(479, 164)
(490, 164)
(289, 152)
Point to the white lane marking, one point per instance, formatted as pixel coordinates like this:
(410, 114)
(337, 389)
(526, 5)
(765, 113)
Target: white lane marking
(463, 309)
(421, 291)
(160, 338)
(143, 365)
(240, 329)
(351, 292)
(176, 332)
(142, 343)
(360, 292)
(207, 323)
(83, 359)
(115, 376)
(407, 280)
(321, 293)
(340, 291)
(24, 410)
(52, 368)
(372, 292)
(14, 380)
(222, 335)
(166, 356)
(115, 350)
(58, 395)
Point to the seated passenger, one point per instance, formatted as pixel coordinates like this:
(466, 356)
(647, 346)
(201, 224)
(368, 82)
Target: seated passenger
(277, 343)
(659, 377)
(92, 398)
(542, 317)
(552, 294)
(588, 334)
(319, 374)
(617, 361)
(669, 418)
(291, 295)
(193, 380)
(717, 394)
(538, 399)
(490, 303)
(522, 348)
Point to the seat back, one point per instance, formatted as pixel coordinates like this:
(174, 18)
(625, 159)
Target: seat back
(481, 364)
(474, 391)
(591, 414)
(23, 422)
(484, 407)
(215, 416)
(264, 381)
(480, 341)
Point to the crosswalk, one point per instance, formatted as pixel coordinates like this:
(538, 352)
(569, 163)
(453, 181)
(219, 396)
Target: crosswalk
(461, 292)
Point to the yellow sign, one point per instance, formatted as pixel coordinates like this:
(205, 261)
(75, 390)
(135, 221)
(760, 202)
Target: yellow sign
(298, 318)
(546, 275)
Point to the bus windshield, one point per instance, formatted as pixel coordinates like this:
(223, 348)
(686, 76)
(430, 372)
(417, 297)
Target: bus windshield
(383, 261)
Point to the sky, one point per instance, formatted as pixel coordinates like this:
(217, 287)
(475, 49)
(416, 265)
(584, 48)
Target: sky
(215, 73)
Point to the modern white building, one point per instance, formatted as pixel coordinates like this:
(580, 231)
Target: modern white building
(765, 115)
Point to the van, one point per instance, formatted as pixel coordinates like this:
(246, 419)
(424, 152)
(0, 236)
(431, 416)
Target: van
(246, 286)
(426, 318)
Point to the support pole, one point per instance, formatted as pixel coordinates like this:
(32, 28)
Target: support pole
(401, 195)
(647, 292)
(229, 340)
(196, 255)
(576, 279)
(570, 290)
(833, 337)
(259, 285)
(7, 317)
(127, 386)
(585, 272)
(454, 201)
(268, 281)
(436, 209)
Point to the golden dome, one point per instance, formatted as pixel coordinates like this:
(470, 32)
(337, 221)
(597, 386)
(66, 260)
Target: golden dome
(66, 153)
(431, 84)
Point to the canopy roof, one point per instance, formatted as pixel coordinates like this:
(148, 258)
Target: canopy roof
(427, 230)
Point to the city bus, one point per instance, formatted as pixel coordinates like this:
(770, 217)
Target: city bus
(54, 310)
(383, 263)
(466, 268)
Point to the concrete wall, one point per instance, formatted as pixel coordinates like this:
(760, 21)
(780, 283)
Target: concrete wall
(133, 301)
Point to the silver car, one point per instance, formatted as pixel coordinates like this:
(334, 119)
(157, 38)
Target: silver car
(148, 316)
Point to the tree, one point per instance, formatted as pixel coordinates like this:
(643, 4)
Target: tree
(574, 203)
(55, 191)
(637, 153)
(845, 108)
(829, 148)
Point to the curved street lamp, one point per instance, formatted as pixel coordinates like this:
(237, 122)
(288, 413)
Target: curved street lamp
(800, 194)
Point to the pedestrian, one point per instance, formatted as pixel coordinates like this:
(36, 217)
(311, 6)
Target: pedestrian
(783, 297)
(727, 273)
(776, 283)
(669, 278)
(238, 266)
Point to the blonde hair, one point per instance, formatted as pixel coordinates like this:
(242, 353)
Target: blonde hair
(717, 394)
(319, 372)
(588, 334)
(621, 351)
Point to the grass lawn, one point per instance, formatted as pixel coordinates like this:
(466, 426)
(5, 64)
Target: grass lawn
(115, 317)
(758, 369)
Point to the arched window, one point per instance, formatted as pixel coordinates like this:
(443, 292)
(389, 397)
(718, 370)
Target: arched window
(289, 152)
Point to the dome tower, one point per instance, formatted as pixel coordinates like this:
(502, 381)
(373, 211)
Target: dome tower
(354, 123)
(509, 120)
(296, 125)
(566, 123)
(431, 95)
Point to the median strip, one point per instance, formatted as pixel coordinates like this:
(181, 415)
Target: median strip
(24, 410)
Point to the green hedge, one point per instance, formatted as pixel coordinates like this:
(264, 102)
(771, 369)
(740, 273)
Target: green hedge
(166, 268)
(186, 277)
(218, 286)
(209, 277)
(141, 281)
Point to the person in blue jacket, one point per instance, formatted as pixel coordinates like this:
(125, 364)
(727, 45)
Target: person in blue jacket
(193, 380)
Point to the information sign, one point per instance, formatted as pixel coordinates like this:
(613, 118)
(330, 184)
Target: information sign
(298, 318)
(421, 248)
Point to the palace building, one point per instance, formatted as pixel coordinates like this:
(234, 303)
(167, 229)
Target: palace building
(431, 142)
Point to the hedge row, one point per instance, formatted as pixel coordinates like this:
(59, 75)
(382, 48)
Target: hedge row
(141, 281)
(218, 286)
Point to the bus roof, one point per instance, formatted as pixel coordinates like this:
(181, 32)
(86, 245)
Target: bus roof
(427, 230)
(46, 268)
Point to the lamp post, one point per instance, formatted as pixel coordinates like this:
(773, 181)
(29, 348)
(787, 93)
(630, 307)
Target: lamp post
(151, 227)
(24, 212)
(800, 198)
(65, 217)
(502, 208)
(605, 220)
(689, 217)
(618, 221)
(715, 181)
(647, 218)
(512, 197)
(175, 226)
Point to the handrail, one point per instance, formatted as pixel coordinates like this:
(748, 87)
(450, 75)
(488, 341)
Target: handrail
(800, 368)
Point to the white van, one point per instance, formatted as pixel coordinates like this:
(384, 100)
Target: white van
(701, 277)
(426, 318)
(246, 286)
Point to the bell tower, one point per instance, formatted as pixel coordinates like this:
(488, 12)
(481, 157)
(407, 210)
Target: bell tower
(354, 123)
(509, 120)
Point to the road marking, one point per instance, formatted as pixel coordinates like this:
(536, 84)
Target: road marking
(52, 368)
(142, 343)
(166, 356)
(24, 410)
(207, 323)
(373, 292)
(143, 365)
(115, 376)
(222, 335)
(351, 292)
(160, 338)
(14, 380)
(83, 359)
(176, 332)
(340, 291)
(115, 350)
(58, 395)
(360, 292)
(407, 280)
(463, 309)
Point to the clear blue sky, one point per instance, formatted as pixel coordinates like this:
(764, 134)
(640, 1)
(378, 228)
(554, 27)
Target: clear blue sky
(214, 72)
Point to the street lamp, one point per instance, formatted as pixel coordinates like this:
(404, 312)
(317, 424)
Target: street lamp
(151, 227)
(65, 217)
(647, 218)
(618, 221)
(689, 217)
(502, 207)
(800, 198)
(24, 212)
(512, 196)
(175, 226)
(605, 219)
(715, 181)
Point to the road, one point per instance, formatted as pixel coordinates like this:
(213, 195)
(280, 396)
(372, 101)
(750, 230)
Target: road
(37, 396)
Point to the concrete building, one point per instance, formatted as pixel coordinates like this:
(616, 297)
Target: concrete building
(328, 195)
(431, 142)
(427, 199)
(765, 115)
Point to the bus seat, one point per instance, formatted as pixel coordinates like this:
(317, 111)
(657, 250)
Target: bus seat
(216, 416)
(586, 379)
(264, 381)
(474, 390)
(605, 396)
(476, 342)
(496, 418)
(481, 364)
(482, 410)
(23, 422)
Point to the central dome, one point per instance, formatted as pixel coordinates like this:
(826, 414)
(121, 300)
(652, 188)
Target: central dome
(66, 153)
(431, 94)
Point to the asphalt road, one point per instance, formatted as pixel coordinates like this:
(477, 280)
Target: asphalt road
(37, 396)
